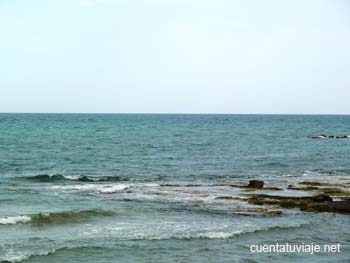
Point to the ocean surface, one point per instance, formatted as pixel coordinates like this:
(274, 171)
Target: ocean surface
(146, 188)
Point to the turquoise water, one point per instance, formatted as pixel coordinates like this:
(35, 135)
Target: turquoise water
(144, 188)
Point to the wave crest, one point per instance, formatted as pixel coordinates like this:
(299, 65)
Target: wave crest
(100, 188)
(23, 256)
(47, 178)
(55, 217)
(12, 220)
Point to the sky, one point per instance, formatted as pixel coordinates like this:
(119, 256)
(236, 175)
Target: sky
(175, 56)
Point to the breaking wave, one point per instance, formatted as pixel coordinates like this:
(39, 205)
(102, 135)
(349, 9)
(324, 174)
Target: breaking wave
(23, 256)
(55, 217)
(12, 220)
(46, 178)
(100, 188)
(225, 235)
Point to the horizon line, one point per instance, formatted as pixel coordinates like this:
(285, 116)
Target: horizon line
(172, 113)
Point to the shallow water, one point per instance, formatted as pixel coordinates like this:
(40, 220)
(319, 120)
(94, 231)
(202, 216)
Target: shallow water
(150, 188)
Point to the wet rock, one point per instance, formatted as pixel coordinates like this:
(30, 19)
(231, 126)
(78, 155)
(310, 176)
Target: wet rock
(318, 203)
(259, 210)
(273, 213)
(250, 189)
(340, 207)
(307, 188)
(334, 191)
(273, 188)
(229, 185)
(227, 198)
(321, 136)
(310, 183)
(313, 183)
(255, 184)
(322, 198)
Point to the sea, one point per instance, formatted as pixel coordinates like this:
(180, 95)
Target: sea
(104, 188)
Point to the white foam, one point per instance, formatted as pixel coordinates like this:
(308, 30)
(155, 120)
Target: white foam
(71, 177)
(113, 189)
(101, 188)
(14, 258)
(218, 235)
(150, 184)
(12, 220)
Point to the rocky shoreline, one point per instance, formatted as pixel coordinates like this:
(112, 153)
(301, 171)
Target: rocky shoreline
(327, 197)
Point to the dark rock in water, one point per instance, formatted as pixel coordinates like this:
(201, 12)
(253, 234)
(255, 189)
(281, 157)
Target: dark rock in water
(273, 213)
(311, 183)
(340, 207)
(258, 210)
(318, 203)
(333, 191)
(321, 136)
(227, 198)
(322, 198)
(307, 188)
(273, 188)
(341, 137)
(255, 184)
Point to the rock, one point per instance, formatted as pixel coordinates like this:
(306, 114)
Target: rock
(322, 136)
(258, 210)
(273, 213)
(322, 198)
(255, 184)
(227, 198)
(322, 187)
(318, 203)
(341, 137)
(334, 191)
(273, 189)
(311, 183)
(340, 207)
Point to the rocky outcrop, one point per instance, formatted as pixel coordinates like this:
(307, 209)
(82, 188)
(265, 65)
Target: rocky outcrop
(323, 136)
(317, 203)
(320, 187)
(255, 184)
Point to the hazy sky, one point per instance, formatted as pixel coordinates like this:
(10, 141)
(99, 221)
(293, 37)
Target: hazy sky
(175, 56)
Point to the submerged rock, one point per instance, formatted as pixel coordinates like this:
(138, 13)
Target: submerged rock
(227, 198)
(259, 210)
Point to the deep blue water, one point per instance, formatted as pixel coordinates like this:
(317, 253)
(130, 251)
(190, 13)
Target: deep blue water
(144, 188)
